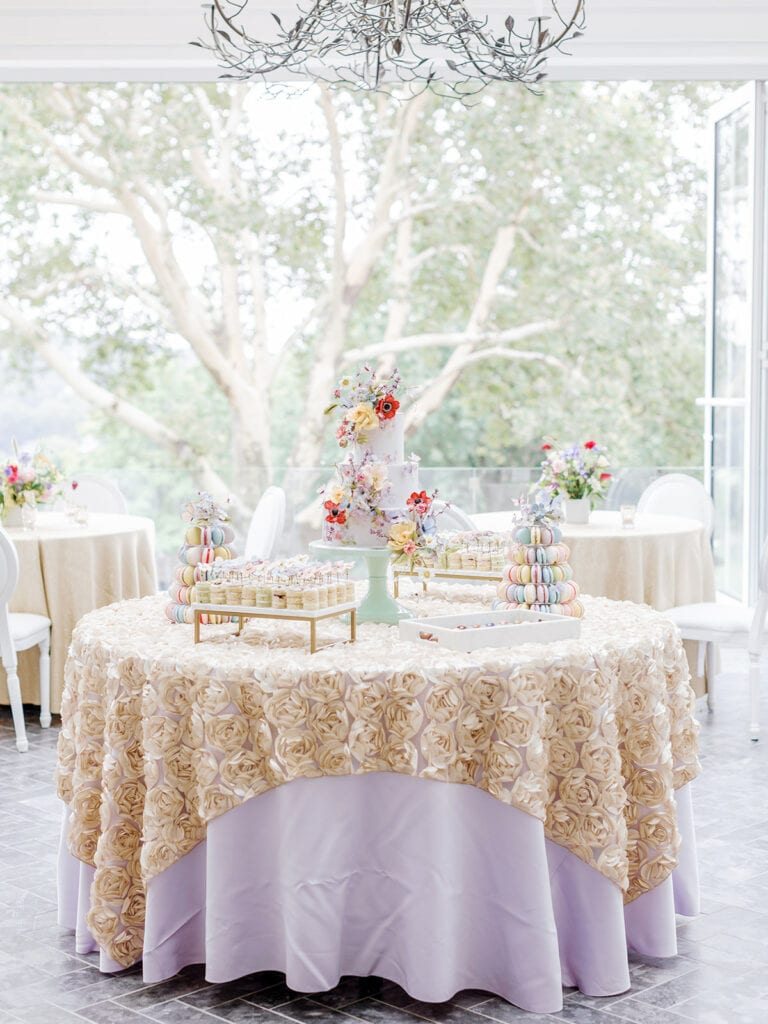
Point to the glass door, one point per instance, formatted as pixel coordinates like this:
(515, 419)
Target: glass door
(735, 446)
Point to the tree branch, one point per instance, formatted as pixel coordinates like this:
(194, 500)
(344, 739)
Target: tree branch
(340, 194)
(106, 401)
(83, 202)
(514, 355)
(495, 266)
(88, 171)
(439, 339)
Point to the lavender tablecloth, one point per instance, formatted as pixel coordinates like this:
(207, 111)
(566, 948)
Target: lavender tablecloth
(436, 887)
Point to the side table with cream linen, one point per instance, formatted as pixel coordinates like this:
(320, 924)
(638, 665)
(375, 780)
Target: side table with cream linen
(507, 820)
(67, 570)
(663, 561)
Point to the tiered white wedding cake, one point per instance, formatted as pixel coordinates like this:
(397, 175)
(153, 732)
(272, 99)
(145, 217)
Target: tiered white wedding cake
(375, 479)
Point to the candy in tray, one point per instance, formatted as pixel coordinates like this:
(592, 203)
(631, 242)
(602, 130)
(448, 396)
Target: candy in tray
(497, 628)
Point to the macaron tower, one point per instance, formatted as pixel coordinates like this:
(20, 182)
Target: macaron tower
(207, 537)
(538, 576)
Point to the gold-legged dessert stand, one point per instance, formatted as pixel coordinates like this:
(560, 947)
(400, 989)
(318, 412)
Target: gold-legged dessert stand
(241, 612)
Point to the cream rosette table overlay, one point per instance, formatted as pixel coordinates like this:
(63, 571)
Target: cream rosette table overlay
(161, 738)
(67, 570)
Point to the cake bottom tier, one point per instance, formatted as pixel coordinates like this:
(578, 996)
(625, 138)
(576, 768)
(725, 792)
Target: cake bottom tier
(364, 529)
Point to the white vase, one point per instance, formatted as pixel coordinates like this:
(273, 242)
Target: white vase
(576, 510)
(12, 515)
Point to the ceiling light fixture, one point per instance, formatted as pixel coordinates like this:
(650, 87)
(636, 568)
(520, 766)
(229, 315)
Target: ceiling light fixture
(374, 43)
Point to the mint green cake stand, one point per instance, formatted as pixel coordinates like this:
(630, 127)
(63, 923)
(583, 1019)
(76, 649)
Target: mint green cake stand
(378, 605)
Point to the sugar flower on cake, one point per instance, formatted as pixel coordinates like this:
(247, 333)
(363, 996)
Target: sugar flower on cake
(363, 418)
(414, 540)
(387, 407)
(402, 536)
(360, 488)
(576, 471)
(335, 513)
(420, 502)
(369, 402)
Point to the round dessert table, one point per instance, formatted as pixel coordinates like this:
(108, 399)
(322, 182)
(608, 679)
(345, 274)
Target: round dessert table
(509, 819)
(67, 570)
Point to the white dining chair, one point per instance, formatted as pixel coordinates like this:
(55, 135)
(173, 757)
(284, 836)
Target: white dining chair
(733, 626)
(267, 524)
(451, 517)
(97, 494)
(677, 494)
(20, 631)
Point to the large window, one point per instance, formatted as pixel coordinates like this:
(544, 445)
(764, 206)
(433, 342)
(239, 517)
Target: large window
(736, 414)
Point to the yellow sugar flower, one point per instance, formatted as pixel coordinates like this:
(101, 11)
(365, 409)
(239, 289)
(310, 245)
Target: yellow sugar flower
(401, 534)
(364, 417)
(336, 493)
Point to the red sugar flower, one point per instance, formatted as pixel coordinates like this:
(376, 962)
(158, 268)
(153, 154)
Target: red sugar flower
(591, 444)
(386, 407)
(546, 447)
(419, 501)
(335, 514)
(605, 476)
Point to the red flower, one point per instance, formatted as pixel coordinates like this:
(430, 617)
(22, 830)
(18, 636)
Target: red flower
(591, 444)
(546, 447)
(11, 474)
(419, 501)
(386, 407)
(74, 485)
(605, 476)
(335, 514)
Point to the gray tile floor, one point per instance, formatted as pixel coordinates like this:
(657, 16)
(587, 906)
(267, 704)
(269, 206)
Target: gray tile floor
(719, 977)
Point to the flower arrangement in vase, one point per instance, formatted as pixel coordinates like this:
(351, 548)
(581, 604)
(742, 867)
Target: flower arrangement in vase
(414, 540)
(577, 473)
(26, 479)
(370, 403)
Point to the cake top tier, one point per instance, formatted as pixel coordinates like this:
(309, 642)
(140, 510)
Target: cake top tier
(370, 407)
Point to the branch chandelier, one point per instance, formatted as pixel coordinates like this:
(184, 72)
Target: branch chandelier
(374, 43)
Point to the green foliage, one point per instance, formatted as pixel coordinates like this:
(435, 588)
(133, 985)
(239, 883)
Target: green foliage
(603, 183)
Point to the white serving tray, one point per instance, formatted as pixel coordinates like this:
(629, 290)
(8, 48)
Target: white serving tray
(437, 573)
(513, 627)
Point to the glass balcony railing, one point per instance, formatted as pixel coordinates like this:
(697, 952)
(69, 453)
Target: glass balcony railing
(159, 492)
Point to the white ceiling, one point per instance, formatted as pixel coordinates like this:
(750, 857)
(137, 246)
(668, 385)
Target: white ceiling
(103, 40)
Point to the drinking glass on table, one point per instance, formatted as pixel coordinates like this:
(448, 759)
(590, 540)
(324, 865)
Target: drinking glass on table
(29, 512)
(81, 515)
(628, 513)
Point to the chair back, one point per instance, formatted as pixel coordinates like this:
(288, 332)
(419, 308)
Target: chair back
(9, 577)
(98, 494)
(677, 494)
(762, 569)
(267, 524)
(451, 517)
(760, 618)
(9, 568)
